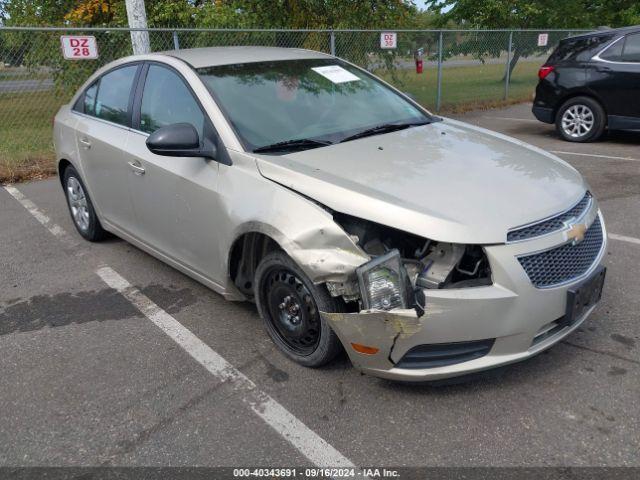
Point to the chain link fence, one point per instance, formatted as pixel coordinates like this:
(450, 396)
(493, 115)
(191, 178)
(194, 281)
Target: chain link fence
(463, 69)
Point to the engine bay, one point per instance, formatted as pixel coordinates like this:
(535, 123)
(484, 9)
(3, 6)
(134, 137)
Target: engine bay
(428, 264)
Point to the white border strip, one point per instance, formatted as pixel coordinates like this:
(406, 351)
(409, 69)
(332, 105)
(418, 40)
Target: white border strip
(305, 440)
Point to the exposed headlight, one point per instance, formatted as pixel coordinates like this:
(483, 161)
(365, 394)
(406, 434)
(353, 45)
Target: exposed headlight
(382, 282)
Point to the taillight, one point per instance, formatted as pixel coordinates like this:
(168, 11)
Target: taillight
(544, 71)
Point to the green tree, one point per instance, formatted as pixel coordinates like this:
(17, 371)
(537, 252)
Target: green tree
(306, 13)
(531, 14)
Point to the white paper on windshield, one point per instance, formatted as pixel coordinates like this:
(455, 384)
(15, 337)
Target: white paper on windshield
(335, 73)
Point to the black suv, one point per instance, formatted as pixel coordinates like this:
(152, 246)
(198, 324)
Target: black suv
(591, 82)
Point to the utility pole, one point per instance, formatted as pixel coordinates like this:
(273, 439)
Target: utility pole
(138, 19)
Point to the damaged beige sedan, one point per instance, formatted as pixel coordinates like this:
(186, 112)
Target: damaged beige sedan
(355, 219)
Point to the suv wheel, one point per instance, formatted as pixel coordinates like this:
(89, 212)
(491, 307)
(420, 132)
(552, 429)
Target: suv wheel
(580, 119)
(80, 207)
(290, 305)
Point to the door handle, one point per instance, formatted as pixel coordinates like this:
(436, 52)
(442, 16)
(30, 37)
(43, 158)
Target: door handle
(85, 143)
(137, 168)
(603, 69)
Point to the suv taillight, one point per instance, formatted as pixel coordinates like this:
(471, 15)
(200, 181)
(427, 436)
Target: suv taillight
(544, 71)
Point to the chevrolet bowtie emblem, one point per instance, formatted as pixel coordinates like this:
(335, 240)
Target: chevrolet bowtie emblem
(576, 233)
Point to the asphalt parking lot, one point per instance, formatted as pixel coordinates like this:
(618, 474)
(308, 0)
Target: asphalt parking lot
(95, 369)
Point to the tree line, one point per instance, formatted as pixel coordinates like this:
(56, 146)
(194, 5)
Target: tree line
(322, 14)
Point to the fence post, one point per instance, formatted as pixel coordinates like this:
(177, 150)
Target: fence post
(439, 87)
(176, 42)
(332, 42)
(507, 73)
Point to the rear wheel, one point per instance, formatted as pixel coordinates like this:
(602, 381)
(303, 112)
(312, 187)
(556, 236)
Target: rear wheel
(290, 305)
(581, 119)
(80, 207)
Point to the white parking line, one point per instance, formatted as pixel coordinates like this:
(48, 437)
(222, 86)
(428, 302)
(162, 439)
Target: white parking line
(31, 207)
(595, 155)
(510, 119)
(301, 437)
(624, 238)
(305, 440)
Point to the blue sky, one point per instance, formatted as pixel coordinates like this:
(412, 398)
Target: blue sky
(421, 5)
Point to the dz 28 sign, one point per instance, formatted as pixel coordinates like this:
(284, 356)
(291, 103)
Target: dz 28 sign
(388, 40)
(79, 47)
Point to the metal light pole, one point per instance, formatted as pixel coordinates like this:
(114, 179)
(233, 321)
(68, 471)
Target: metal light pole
(137, 18)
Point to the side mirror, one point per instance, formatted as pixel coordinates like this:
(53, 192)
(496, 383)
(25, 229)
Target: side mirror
(179, 140)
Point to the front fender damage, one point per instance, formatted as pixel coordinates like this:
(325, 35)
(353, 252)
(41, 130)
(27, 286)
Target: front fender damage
(326, 262)
(376, 328)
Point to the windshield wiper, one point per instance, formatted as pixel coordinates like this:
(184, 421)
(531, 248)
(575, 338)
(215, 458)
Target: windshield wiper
(298, 144)
(384, 128)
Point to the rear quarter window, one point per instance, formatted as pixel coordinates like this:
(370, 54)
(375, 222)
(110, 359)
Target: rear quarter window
(578, 49)
(631, 50)
(89, 100)
(626, 49)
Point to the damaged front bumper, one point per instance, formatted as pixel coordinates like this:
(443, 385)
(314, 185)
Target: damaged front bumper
(475, 328)
(487, 314)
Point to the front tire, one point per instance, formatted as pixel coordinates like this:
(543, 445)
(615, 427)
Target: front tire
(80, 206)
(290, 305)
(581, 119)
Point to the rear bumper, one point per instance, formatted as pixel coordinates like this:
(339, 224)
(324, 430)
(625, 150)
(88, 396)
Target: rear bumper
(544, 114)
(515, 319)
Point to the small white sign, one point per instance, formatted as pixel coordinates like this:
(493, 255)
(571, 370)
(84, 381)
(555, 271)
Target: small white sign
(79, 47)
(388, 40)
(543, 39)
(335, 73)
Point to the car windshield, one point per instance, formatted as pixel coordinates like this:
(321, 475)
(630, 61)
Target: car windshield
(306, 103)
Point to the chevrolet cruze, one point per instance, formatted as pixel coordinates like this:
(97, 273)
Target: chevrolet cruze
(355, 219)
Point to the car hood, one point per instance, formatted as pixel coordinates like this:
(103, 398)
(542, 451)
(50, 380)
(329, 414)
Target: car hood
(447, 181)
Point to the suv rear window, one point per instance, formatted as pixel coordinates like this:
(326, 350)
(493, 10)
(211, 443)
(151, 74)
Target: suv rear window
(578, 49)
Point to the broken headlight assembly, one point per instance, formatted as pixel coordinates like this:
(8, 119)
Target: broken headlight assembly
(404, 264)
(383, 282)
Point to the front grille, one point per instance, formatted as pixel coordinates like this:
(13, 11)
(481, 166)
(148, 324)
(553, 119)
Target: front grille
(552, 224)
(565, 263)
(444, 354)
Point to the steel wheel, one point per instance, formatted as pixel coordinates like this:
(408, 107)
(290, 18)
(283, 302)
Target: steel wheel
(78, 204)
(578, 121)
(292, 311)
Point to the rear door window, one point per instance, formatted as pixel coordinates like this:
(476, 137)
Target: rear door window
(167, 100)
(114, 92)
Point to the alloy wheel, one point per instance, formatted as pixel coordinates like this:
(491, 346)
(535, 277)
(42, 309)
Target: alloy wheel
(577, 121)
(78, 204)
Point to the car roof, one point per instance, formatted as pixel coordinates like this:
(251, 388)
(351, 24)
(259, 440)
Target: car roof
(608, 31)
(212, 56)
